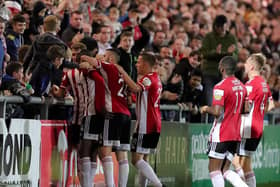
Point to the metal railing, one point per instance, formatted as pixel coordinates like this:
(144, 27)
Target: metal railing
(45, 103)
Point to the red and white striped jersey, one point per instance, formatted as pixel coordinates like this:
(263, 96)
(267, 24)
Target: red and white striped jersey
(258, 96)
(115, 89)
(147, 104)
(96, 92)
(230, 93)
(75, 82)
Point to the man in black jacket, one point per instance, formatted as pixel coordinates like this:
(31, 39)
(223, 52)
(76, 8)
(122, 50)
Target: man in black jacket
(127, 57)
(40, 46)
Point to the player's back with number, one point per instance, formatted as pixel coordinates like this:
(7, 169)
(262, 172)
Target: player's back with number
(229, 93)
(116, 96)
(147, 106)
(258, 95)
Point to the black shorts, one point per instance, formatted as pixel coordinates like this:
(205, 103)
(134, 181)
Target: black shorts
(222, 150)
(74, 134)
(112, 130)
(144, 143)
(248, 146)
(92, 127)
(125, 134)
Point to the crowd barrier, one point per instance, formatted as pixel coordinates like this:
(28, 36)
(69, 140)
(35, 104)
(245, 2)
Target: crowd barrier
(36, 153)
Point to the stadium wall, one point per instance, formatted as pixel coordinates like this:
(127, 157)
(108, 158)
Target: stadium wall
(181, 159)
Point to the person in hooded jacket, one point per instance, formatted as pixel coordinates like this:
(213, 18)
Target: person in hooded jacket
(36, 21)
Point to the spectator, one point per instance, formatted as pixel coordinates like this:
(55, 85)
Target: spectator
(179, 50)
(88, 7)
(133, 22)
(103, 37)
(43, 75)
(165, 52)
(3, 48)
(127, 57)
(158, 42)
(186, 65)
(74, 32)
(114, 15)
(215, 45)
(192, 96)
(12, 84)
(172, 89)
(14, 36)
(37, 20)
(103, 5)
(37, 52)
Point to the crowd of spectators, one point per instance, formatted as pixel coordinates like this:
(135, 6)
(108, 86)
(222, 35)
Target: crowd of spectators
(188, 37)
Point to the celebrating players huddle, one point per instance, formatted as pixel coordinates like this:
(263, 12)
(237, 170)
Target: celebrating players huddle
(101, 117)
(239, 112)
(100, 90)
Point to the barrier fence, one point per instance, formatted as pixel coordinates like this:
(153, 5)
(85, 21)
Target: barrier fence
(35, 153)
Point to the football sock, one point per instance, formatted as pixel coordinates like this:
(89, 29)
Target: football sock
(250, 179)
(148, 172)
(234, 179)
(217, 178)
(107, 163)
(123, 172)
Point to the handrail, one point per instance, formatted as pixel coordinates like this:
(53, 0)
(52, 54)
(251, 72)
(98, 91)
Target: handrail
(45, 102)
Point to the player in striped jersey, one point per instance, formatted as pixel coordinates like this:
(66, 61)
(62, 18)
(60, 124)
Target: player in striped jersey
(259, 98)
(148, 124)
(86, 87)
(116, 129)
(228, 100)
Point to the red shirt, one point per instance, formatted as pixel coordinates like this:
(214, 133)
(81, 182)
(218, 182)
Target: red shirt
(115, 89)
(258, 96)
(230, 93)
(96, 89)
(147, 104)
(74, 81)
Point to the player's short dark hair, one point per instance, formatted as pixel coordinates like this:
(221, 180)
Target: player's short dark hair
(18, 19)
(229, 64)
(83, 52)
(148, 57)
(90, 43)
(55, 51)
(13, 67)
(116, 54)
(259, 59)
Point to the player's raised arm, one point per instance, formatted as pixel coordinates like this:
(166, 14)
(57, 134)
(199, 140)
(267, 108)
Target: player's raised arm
(130, 83)
(91, 60)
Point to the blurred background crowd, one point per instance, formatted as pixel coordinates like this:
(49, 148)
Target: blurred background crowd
(188, 37)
